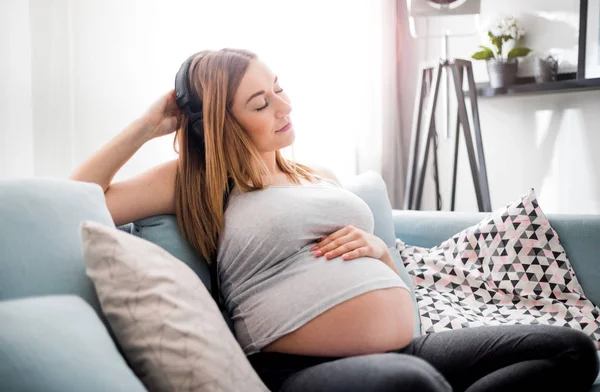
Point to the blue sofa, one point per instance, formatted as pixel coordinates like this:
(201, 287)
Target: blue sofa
(53, 335)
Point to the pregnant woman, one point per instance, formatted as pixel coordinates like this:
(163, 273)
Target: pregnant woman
(315, 297)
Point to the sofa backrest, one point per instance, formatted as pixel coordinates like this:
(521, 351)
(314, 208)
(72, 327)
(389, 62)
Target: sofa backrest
(40, 243)
(40, 251)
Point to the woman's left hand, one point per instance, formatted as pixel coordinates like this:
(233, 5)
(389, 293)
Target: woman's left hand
(350, 243)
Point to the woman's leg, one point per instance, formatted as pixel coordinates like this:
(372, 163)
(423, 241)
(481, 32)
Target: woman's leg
(374, 372)
(386, 372)
(510, 358)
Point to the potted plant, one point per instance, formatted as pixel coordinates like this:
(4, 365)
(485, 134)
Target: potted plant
(502, 69)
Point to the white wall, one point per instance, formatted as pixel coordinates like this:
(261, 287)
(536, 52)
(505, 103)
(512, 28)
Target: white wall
(545, 142)
(16, 135)
(80, 71)
(51, 86)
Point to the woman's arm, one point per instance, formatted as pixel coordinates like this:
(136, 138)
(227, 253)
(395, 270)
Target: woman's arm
(102, 166)
(149, 193)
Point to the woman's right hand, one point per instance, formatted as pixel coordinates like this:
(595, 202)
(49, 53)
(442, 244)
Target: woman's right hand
(162, 117)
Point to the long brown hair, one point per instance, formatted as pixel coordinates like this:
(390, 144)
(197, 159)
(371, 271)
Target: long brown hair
(201, 183)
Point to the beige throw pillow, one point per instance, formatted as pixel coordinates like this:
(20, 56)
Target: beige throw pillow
(167, 323)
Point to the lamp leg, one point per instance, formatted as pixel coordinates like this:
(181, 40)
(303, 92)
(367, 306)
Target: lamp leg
(414, 141)
(436, 172)
(434, 92)
(464, 119)
(455, 169)
(483, 179)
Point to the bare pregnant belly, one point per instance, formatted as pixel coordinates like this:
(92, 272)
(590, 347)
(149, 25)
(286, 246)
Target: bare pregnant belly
(374, 322)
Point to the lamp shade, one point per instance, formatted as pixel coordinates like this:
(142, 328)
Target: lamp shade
(423, 8)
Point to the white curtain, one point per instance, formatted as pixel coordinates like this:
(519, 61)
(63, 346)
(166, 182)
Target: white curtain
(78, 71)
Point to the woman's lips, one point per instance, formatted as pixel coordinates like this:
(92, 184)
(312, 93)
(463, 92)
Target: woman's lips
(288, 126)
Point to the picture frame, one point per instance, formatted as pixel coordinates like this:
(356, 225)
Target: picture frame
(588, 66)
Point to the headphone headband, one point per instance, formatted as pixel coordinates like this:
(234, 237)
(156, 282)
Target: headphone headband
(186, 99)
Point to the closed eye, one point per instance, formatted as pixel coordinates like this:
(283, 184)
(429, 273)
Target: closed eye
(267, 102)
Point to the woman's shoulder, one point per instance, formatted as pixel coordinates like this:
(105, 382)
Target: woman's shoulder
(324, 172)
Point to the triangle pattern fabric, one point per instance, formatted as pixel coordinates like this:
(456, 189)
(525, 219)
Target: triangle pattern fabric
(510, 268)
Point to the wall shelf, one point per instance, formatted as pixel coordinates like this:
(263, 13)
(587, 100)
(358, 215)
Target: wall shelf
(567, 82)
(528, 86)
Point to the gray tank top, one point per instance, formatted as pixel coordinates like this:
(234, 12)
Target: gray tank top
(271, 282)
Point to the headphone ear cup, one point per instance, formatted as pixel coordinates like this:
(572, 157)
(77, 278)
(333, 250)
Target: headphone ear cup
(197, 131)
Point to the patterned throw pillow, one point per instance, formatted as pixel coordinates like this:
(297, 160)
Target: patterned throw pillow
(508, 269)
(167, 323)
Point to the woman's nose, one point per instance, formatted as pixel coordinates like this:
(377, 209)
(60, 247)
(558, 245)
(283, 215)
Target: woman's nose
(284, 108)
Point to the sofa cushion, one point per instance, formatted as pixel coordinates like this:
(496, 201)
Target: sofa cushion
(370, 187)
(58, 343)
(164, 318)
(39, 237)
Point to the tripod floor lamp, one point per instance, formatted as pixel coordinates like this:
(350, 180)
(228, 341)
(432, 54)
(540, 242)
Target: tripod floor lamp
(429, 88)
(422, 143)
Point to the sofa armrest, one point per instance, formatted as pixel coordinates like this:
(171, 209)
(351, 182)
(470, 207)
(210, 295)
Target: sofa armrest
(431, 228)
(58, 343)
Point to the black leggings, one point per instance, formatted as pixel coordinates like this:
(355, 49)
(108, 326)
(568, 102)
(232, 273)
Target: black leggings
(499, 358)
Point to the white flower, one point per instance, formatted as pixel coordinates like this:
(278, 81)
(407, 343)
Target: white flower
(496, 31)
(506, 26)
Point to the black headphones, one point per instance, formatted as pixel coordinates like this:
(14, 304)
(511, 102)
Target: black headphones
(189, 103)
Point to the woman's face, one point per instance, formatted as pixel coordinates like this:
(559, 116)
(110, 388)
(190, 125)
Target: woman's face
(262, 108)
